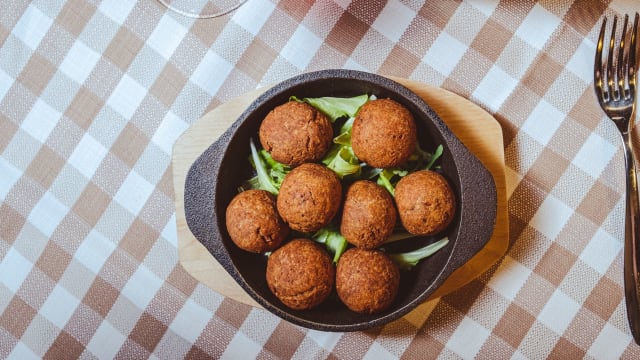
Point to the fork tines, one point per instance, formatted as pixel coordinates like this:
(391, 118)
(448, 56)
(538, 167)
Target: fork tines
(616, 78)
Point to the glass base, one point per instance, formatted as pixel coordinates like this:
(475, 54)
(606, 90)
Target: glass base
(202, 9)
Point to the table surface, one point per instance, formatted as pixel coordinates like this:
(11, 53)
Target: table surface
(94, 94)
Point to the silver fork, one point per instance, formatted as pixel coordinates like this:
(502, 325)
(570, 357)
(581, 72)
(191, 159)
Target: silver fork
(615, 86)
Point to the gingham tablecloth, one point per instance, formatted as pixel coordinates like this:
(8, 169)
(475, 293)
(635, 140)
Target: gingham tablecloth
(94, 94)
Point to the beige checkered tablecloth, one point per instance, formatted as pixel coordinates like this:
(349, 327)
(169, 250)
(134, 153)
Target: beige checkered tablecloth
(93, 94)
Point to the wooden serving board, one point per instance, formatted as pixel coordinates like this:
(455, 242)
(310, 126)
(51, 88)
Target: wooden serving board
(476, 128)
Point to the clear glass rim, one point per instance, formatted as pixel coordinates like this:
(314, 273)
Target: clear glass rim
(206, 15)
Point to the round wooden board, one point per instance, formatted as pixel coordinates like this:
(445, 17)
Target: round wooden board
(476, 128)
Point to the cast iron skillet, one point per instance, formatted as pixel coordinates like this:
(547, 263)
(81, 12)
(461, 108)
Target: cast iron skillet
(214, 177)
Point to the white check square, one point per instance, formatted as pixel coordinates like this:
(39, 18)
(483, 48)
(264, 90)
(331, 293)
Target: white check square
(23, 352)
(485, 7)
(87, 155)
(378, 352)
(134, 192)
(538, 26)
(558, 312)
(40, 121)
(116, 10)
(32, 26)
(47, 214)
(127, 96)
(14, 269)
(509, 278)
(495, 88)
(393, 20)
(190, 321)
(301, 47)
(142, 287)
(79, 62)
(594, 155)
(59, 306)
(211, 72)
(551, 217)
(611, 343)
(94, 251)
(166, 37)
(241, 347)
(168, 132)
(445, 54)
(252, 18)
(543, 122)
(106, 342)
(601, 251)
(468, 338)
(581, 63)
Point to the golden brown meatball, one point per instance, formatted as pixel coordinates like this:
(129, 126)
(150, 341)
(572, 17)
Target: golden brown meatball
(383, 133)
(367, 281)
(368, 214)
(426, 203)
(300, 274)
(310, 196)
(295, 132)
(253, 221)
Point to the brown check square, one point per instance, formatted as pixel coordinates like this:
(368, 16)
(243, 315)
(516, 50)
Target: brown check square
(65, 346)
(91, 204)
(37, 74)
(16, 317)
(583, 18)
(123, 48)
(542, 74)
(256, 66)
(555, 263)
(11, 223)
(598, 202)
(75, 14)
(168, 84)
(491, 39)
(233, 312)
(53, 261)
(284, 340)
(148, 331)
(547, 170)
(130, 144)
(564, 349)
(101, 296)
(45, 167)
(84, 107)
(346, 33)
(514, 325)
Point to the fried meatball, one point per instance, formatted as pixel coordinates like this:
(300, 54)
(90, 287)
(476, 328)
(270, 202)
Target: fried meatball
(426, 203)
(300, 274)
(368, 214)
(367, 281)
(310, 196)
(253, 221)
(295, 132)
(383, 133)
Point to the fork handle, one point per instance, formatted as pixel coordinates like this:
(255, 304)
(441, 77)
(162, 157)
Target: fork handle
(631, 236)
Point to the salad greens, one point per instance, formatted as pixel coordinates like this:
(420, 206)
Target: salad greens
(335, 107)
(334, 241)
(408, 260)
(419, 160)
(269, 173)
(342, 160)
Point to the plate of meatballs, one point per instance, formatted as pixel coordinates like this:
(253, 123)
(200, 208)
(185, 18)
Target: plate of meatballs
(339, 200)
